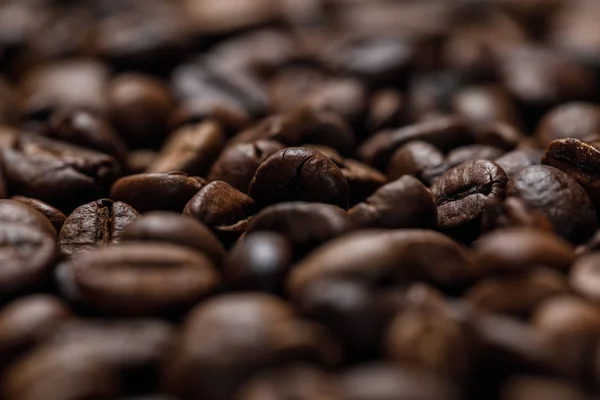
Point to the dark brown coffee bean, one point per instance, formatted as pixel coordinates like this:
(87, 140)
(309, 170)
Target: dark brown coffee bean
(14, 212)
(21, 321)
(28, 255)
(260, 261)
(471, 153)
(403, 204)
(86, 129)
(138, 278)
(581, 161)
(362, 180)
(517, 295)
(238, 163)
(499, 134)
(391, 381)
(444, 133)
(513, 213)
(140, 107)
(527, 387)
(191, 149)
(305, 225)
(388, 108)
(98, 223)
(55, 216)
(463, 193)
(138, 161)
(61, 174)
(568, 316)
(162, 226)
(485, 104)
(559, 198)
(385, 258)
(147, 192)
(576, 120)
(419, 159)
(298, 174)
(584, 277)
(271, 336)
(514, 161)
(521, 249)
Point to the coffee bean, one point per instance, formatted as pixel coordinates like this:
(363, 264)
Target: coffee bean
(583, 277)
(577, 120)
(419, 159)
(14, 212)
(521, 249)
(559, 198)
(147, 192)
(463, 193)
(579, 160)
(525, 387)
(139, 107)
(567, 316)
(471, 153)
(298, 174)
(95, 224)
(512, 213)
(403, 204)
(260, 261)
(444, 133)
(61, 174)
(138, 161)
(138, 278)
(191, 149)
(55, 216)
(362, 180)
(387, 109)
(238, 163)
(162, 226)
(514, 161)
(499, 134)
(486, 103)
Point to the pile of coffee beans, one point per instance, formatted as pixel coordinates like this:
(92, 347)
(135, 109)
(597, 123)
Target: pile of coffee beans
(299, 199)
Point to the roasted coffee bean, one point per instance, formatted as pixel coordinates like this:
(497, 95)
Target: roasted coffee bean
(527, 387)
(138, 278)
(445, 133)
(61, 174)
(191, 149)
(55, 216)
(581, 161)
(271, 335)
(147, 192)
(386, 258)
(517, 295)
(584, 277)
(362, 180)
(513, 213)
(568, 316)
(15, 212)
(387, 109)
(298, 174)
(514, 161)
(138, 161)
(403, 204)
(521, 249)
(471, 153)
(463, 193)
(28, 255)
(576, 120)
(83, 128)
(94, 224)
(499, 134)
(559, 198)
(485, 104)
(22, 320)
(419, 159)
(162, 226)
(305, 225)
(140, 107)
(238, 163)
(260, 261)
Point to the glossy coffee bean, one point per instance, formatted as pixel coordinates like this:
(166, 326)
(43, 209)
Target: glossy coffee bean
(78, 175)
(462, 193)
(419, 159)
(168, 227)
(513, 213)
(577, 120)
(362, 179)
(403, 204)
(138, 278)
(260, 261)
(238, 163)
(191, 149)
(471, 153)
(147, 192)
(514, 161)
(298, 174)
(584, 277)
(98, 223)
(558, 197)
(14, 212)
(55, 216)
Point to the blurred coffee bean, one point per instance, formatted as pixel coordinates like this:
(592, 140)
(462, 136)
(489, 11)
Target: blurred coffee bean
(403, 204)
(260, 261)
(576, 120)
(147, 192)
(419, 159)
(498, 134)
(514, 161)
(238, 163)
(168, 227)
(387, 109)
(298, 174)
(513, 213)
(485, 104)
(55, 216)
(98, 223)
(584, 277)
(531, 387)
(471, 153)
(568, 316)
(135, 279)
(430, 94)
(138, 161)
(362, 180)
(559, 198)
(15, 212)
